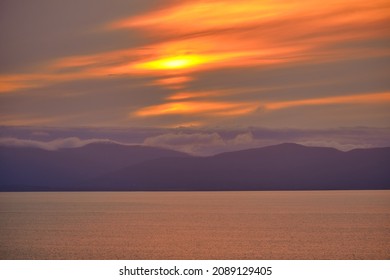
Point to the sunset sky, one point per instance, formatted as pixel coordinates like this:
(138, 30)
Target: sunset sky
(198, 64)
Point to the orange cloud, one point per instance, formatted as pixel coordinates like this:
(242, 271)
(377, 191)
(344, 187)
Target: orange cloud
(235, 33)
(231, 34)
(222, 14)
(352, 99)
(196, 94)
(203, 35)
(198, 107)
(17, 82)
(214, 34)
(13, 82)
(177, 82)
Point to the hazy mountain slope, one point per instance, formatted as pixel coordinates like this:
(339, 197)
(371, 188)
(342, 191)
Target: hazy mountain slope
(70, 167)
(108, 167)
(286, 166)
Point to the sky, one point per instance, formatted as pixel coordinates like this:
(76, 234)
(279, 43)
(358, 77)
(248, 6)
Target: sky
(205, 67)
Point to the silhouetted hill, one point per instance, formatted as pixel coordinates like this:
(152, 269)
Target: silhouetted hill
(34, 169)
(280, 167)
(114, 167)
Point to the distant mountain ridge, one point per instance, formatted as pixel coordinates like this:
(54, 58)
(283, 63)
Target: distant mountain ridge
(27, 168)
(113, 167)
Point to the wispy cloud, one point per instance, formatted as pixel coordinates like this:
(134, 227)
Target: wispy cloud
(378, 98)
(194, 107)
(182, 42)
(236, 33)
(253, 33)
(198, 141)
(227, 34)
(71, 142)
(209, 142)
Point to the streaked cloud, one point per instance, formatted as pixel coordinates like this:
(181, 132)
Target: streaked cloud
(194, 107)
(174, 48)
(378, 98)
(212, 142)
(242, 33)
(176, 83)
(253, 33)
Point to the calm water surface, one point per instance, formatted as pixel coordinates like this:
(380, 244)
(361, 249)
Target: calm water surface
(195, 225)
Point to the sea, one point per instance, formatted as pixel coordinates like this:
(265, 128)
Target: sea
(298, 225)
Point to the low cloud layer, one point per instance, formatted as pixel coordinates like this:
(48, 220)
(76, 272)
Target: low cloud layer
(71, 142)
(213, 143)
(204, 143)
(217, 141)
(201, 142)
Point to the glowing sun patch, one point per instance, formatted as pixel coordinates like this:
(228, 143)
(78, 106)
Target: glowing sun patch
(172, 63)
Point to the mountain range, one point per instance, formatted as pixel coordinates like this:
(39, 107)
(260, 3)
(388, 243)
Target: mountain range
(114, 167)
